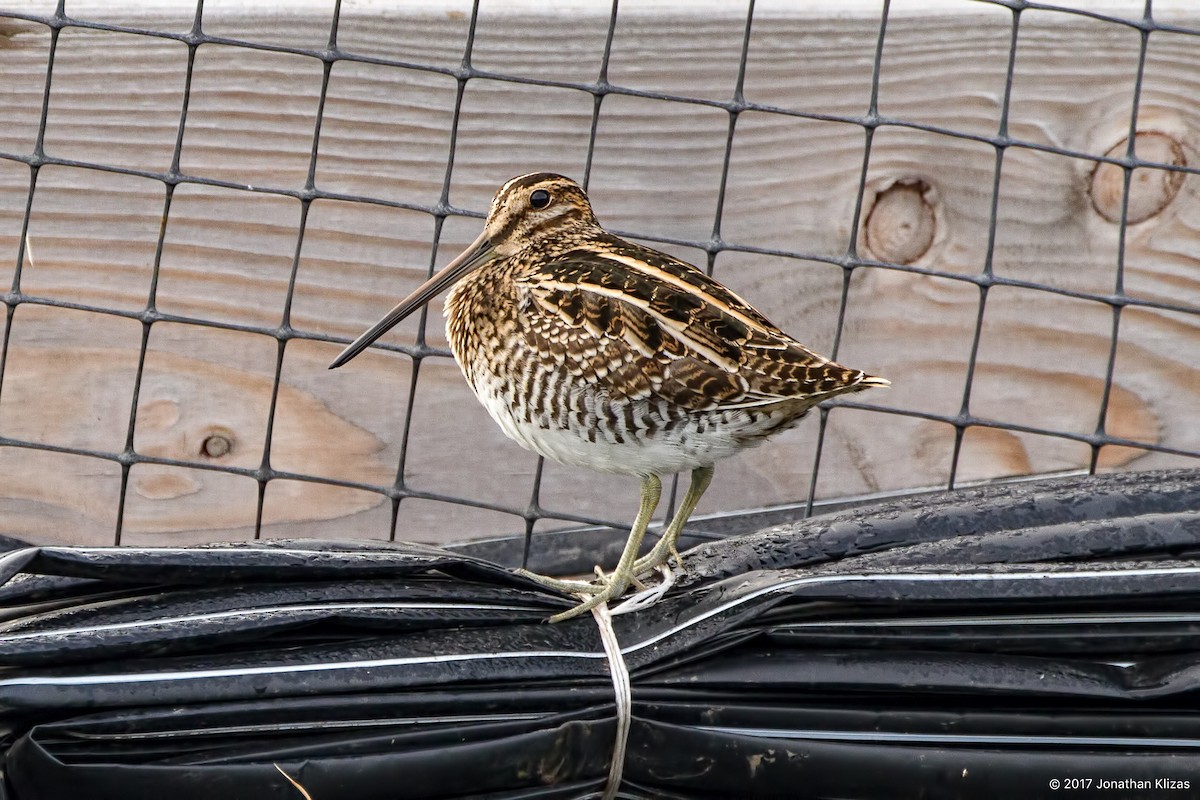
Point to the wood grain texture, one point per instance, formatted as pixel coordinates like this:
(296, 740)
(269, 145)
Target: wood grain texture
(792, 184)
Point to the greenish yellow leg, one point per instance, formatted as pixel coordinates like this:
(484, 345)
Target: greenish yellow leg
(613, 586)
(561, 584)
(701, 478)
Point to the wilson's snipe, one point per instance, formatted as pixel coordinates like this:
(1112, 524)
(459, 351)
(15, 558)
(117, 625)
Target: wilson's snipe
(597, 352)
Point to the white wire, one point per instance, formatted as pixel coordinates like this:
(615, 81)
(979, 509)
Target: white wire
(623, 692)
(647, 597)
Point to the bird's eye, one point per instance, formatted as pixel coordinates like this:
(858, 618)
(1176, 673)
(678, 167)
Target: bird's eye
(539, 198)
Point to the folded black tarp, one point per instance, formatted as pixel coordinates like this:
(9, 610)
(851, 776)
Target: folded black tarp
(1026, 640)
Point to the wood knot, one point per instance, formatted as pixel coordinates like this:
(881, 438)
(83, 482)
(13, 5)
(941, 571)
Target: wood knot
(1150, 189)
(901, 223)
(216, 445)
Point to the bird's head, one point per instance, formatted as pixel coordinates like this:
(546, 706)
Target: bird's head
(526, 212)
(533, 208)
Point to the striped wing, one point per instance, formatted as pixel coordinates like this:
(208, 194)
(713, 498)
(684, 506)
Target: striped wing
(640, 324)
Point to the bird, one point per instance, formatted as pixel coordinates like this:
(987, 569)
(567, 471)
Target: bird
(596, 352)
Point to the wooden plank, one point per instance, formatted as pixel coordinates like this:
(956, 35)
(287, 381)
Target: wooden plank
(657, 170)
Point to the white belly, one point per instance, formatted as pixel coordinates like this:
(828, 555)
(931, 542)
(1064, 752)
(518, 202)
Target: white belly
(681, 447)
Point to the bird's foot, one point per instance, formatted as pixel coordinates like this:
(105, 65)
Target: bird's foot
(602, 590)
(607, 588)
(611, 589)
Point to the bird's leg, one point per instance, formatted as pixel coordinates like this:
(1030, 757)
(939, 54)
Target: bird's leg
(701, 478)
(613, 586)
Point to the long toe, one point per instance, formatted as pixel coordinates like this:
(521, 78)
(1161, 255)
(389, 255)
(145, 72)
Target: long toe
(561, 585)
(607, 593)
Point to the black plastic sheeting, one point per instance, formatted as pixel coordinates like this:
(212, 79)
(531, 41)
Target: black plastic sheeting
(974, 644)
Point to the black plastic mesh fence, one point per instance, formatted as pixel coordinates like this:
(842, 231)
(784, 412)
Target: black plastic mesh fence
(1144, 26)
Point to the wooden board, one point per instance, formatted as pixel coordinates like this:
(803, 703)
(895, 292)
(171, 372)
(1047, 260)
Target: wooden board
(792, 185)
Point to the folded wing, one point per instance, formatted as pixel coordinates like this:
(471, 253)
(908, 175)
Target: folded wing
(640, 324)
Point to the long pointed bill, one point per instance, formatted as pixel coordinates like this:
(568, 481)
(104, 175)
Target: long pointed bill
(476, 253)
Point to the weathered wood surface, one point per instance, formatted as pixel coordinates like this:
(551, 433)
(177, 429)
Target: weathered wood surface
(792, 185)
